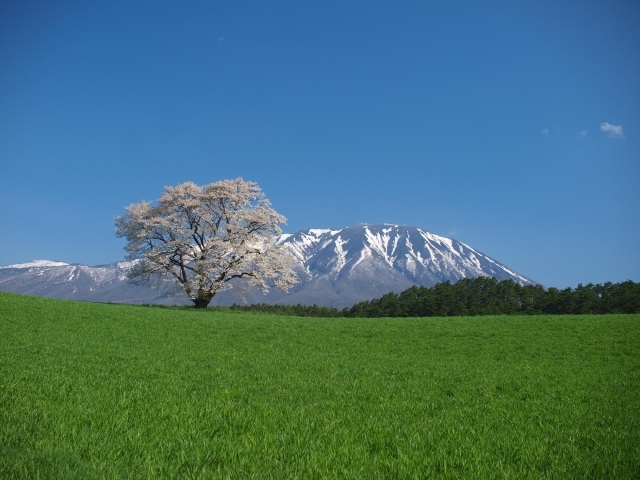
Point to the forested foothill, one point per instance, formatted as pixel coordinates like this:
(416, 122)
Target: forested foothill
(480, 296)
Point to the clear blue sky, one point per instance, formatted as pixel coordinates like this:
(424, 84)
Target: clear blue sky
(511, 126)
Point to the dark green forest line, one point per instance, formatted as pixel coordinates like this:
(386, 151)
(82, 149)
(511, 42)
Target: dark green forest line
(479, 296)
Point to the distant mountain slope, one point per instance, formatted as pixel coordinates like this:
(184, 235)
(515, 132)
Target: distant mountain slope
(102, 283)
(335, 268)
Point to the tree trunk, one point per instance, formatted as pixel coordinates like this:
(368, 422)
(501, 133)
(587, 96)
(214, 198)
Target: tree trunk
(202, 301)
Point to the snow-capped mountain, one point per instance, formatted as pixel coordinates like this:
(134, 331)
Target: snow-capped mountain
(342, 267)
(420, 256)
(102, 283)
(335, 268)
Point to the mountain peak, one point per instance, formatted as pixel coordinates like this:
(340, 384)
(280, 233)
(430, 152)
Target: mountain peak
(418, 255)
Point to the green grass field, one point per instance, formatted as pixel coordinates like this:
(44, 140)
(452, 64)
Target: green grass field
(115, 391)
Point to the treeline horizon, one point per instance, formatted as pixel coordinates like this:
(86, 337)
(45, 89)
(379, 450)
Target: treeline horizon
(478, 296)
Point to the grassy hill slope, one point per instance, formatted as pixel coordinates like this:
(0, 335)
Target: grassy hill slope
(95, 390)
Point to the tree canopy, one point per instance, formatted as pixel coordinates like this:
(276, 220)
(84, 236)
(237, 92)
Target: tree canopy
(202, 240)
(480, 296)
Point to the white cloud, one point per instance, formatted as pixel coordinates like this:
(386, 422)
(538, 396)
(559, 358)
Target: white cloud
(545, 131)
(614, 131)
(582, 133)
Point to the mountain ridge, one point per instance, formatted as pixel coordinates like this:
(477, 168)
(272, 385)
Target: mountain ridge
(335, 267)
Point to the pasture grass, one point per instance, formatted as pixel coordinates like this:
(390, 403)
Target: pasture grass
(117, 391)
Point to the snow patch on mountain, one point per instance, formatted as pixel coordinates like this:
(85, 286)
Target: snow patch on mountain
(379, 242)
(341, 254)
(37, 264)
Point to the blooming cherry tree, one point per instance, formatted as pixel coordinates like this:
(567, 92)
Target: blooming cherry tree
(202, 240)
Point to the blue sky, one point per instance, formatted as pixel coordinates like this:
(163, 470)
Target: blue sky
(511, 126)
